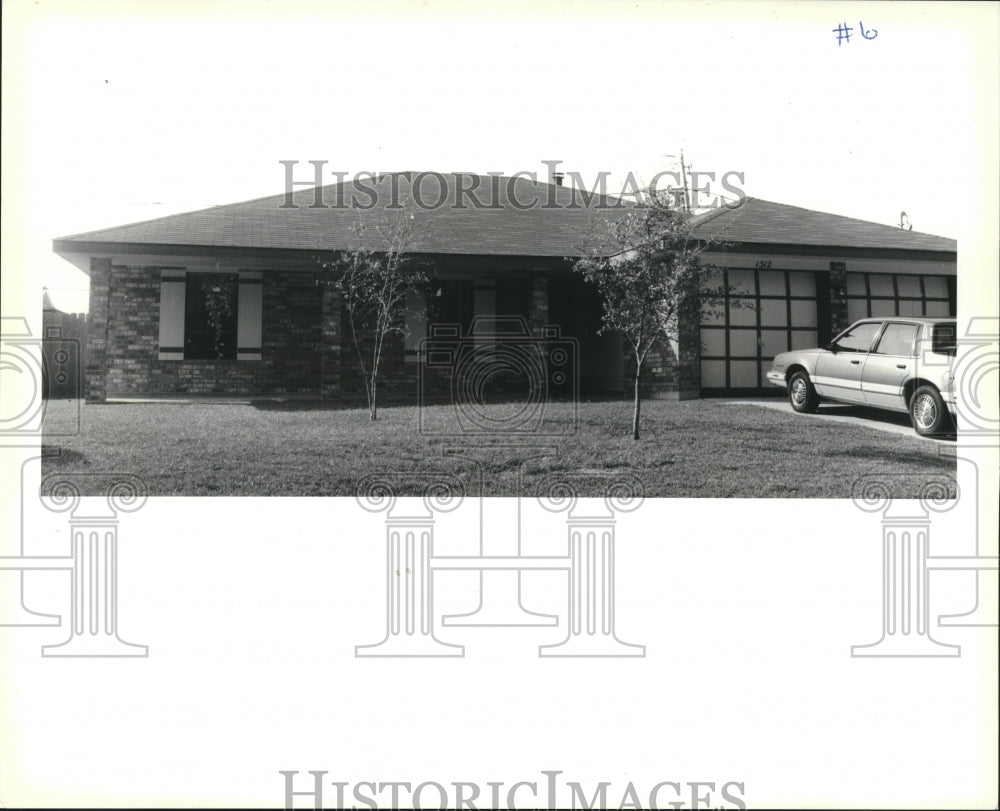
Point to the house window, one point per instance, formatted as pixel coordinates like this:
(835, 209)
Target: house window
(210, 316)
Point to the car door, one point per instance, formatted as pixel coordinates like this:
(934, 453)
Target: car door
(839, 368)
(890, 364)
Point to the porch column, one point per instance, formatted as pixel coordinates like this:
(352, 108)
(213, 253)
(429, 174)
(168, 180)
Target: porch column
(687, 371)
(331, 347)
(96, 387)
(672, 371)
(539, 302)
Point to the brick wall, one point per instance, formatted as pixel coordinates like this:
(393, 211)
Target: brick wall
(123, 341)
(668, 374)
(664, 377)
(96, 364)
(306, 346)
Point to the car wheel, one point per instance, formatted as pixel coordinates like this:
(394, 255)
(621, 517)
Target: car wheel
(801, 393)
(927, 411)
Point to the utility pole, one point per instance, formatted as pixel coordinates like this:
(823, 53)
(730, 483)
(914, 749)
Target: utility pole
(684, 179)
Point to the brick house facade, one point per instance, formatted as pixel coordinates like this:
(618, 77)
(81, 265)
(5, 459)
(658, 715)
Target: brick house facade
(807, 274)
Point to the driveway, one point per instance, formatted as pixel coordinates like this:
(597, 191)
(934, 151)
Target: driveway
(889, 421)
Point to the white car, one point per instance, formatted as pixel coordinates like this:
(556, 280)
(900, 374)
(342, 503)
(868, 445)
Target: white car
(898, 363)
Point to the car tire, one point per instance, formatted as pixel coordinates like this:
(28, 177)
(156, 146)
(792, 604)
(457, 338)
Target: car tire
(928, 413)
(801, 393)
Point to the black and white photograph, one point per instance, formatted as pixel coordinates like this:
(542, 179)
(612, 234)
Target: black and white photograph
(511, 405)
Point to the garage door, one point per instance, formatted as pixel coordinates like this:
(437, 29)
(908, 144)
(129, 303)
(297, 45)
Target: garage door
(877, 294)
(739, 343)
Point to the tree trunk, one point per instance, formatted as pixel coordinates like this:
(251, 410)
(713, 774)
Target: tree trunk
(377, 355)
(638, 403)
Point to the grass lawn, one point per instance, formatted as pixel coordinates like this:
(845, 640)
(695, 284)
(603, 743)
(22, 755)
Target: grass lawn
(688, 449)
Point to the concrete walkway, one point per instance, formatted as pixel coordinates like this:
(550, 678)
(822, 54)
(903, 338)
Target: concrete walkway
(890, 421)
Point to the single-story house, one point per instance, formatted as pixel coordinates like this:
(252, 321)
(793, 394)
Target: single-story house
(494, 246)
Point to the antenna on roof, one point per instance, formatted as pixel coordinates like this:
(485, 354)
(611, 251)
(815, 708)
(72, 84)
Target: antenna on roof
(904, 221)
(684, 179)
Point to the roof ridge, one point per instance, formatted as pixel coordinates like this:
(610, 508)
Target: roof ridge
(847, 217)
(378, 177)
(708, 216)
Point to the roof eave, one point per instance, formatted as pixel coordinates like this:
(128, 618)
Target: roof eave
(787, 248)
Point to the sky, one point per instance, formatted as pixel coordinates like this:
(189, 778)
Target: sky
(119, 112)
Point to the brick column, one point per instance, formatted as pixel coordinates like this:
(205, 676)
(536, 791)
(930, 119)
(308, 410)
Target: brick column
(331, 347)
(687, 371)
(96, 387)
(670, 372)
(539, 302)
(838, 297)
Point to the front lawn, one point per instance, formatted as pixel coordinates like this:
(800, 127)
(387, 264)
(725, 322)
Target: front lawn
(688, 449)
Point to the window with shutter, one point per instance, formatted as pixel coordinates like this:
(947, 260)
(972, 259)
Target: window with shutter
(172, 294)
(249, 321)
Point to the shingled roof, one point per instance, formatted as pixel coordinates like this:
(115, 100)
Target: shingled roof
(506, 216)
(514, 217)
(761, 221)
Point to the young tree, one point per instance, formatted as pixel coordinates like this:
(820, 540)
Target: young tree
(646, 264)
(373, 284)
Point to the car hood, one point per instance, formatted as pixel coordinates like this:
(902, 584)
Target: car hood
(805, 356)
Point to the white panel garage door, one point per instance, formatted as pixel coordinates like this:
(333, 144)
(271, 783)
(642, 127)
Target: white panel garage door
(878, 294)
(739, 343)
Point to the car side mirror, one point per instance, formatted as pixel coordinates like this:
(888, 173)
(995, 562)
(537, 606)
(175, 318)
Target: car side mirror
(831, 347)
